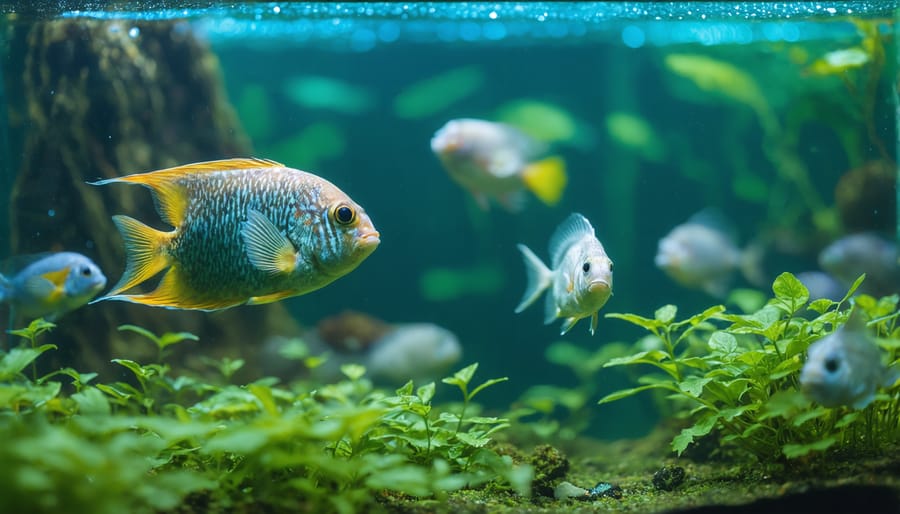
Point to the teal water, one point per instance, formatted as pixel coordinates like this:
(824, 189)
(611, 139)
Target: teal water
(329, 88)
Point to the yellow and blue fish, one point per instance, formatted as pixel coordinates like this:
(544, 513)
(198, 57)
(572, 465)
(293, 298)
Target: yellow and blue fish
(246, 231)
(51, 284)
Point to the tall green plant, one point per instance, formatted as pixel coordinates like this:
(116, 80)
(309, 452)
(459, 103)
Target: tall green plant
(743, 379)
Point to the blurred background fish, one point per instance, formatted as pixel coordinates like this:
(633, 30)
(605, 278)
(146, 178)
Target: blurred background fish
(845, 367)
(419, 351)
(392, 353)
(499, 162)
(580, 280)
(702, 254)
(866, 252)
(246, 231)
(51, 284)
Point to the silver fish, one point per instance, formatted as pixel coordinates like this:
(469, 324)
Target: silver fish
(581, 275)
(418, 351)
(845, 368)
(850, 256)
(52, 284)
(498, 161)
(701, 254)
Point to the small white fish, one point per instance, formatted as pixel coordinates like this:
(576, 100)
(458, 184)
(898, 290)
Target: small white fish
(419, 351)
(850, 256)
(498, 161)
(581, 275)
(845, 368)
(700, 254)
(52, 284)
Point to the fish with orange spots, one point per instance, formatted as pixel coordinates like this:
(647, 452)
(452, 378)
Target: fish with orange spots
(246, 231)
(498, 161)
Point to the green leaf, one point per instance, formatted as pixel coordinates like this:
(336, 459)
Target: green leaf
(650, 324)
(92, 402)
(426, 392)
(791, 293)
(34, 329)
(487, 383)
(625, 393)
(821, 305)
(788, 287)
(462, 377)
(170, 338)
(699, 429)
(353, 371)
(666, 314)
(406, 390)
(18, 359)
(724, 344)
(853, 287)
(139, 371)
(475, 441)
(693, 385)
(792, 451)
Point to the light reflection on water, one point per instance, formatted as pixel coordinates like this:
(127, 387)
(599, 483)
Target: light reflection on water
(363, 26)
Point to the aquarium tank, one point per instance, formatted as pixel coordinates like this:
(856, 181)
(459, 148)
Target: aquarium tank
(449, 257)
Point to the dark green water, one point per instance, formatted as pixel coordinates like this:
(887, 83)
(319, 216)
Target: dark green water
(708, 145)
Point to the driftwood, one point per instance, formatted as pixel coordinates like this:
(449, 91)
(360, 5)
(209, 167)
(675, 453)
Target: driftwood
(109, 98)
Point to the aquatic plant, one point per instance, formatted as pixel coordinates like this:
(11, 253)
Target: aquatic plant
(159, 442)
(741, 381)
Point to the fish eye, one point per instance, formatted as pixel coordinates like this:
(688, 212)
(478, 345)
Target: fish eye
(586, 267)
(832, 364)
(344, 214)
(86, 271)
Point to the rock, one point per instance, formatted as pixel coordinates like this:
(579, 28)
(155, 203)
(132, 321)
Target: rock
(667, 478)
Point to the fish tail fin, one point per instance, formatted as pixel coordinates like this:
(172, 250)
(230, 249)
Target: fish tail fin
(146, 253)
(539, 278)
(547, 179)
(751, 264)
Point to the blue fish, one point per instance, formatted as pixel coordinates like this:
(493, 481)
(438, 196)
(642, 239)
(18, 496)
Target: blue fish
(51, 285)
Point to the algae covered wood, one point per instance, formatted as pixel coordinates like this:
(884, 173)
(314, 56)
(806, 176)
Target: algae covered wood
(100, 99)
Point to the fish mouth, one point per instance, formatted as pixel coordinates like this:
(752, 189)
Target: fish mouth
(369, 239)
(599, 286)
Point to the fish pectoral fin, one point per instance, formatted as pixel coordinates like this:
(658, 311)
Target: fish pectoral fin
(268, 249)
(567, 325)
(172, 294)
(58, 277)
(44, 289)
(145, 252)
(269, 298)
(547, 179)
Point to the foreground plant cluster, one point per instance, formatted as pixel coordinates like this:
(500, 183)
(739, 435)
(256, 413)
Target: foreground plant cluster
(160, 442)
(740, 381)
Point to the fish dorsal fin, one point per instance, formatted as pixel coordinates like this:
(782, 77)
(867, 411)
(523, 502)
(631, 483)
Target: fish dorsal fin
(267, 248)
(170, 197)
(567, 233)
(715, 219)
(856, 322)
